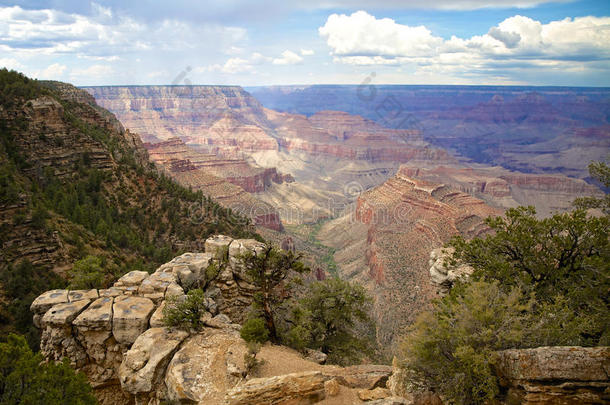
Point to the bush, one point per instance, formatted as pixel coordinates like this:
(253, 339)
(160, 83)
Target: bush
(251, 362)
(254, 330)
(333, 317)
(536, 282)
(25, 379)
(185, 312)
(87, 273)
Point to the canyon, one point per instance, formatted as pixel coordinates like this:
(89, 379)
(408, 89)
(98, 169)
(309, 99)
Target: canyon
(365, 192)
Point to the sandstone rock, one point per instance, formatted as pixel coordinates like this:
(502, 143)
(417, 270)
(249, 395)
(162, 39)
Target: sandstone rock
(294, 389)
(556, 374)
(371, 395)
(143, 366)
(174, 290)
(217, 243)
(133, 278)
(98, 316)
(46, 300)
(130, 318)
(242, 246)
(64, 314)
(76, 295)
(156, 319)
(332, 387)
(110, 292)
(316, 356)
(393, 401)
(219, 321)
(362, 376)
(206, 366)
(442, 274)
(155, 286)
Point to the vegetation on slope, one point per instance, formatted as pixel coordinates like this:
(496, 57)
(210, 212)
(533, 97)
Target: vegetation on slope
(536, 282)
(109, 219)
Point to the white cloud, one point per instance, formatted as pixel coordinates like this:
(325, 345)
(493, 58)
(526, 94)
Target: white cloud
(10, 63)
(288, 58)
(104, 34)
(307, 52)
(94, 72)
(232, 65)
(361, 34)
(54, 72)
(515, 43)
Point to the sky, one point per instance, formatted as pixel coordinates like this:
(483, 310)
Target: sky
(300, 42)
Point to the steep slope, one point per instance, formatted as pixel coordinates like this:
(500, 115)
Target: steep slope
(397, 225)
(75, 183)
(230, 182)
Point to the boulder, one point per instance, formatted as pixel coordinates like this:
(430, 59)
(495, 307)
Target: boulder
(133, 278)
(316, 356)
(206, 366)
(363, 376)
(442, 274)
(64, 314)
(77, 295)
(215, 244)
(143, 366)
(46, 300)
(130, 317)
(371, 395)
(98, 316)
(156, 319)
(392, 401)
(332, 387)
(290, 389)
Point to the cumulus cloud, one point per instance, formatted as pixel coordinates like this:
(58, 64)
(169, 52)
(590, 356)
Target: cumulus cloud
(307, 52)
(288, 58)
(104, 34)
(516, 42)
(10, 63)
(54, 71)
(238, 65)
(93, 71)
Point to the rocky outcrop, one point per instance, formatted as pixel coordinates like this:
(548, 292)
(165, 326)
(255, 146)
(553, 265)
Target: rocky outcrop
(556, 375)
(116, 335)
(442, 273)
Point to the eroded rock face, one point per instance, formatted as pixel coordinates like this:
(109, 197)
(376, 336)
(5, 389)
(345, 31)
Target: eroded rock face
(144, 364)
(566, 375)
(206, 366)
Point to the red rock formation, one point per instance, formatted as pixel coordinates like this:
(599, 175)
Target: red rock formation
(228, 121)
(180, 157)
(407, 218)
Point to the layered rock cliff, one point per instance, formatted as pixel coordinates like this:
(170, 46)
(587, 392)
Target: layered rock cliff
(397, 225)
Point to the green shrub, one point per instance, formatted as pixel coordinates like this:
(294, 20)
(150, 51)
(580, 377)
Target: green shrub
(332, 316)
(250, 361)
(254, 330)
(185, 312)
(25, 379)
(87, 273)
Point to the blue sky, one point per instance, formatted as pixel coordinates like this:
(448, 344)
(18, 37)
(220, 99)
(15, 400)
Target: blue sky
(245, 42)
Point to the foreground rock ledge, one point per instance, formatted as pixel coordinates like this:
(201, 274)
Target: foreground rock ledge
(566, 375)
(290, 389)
